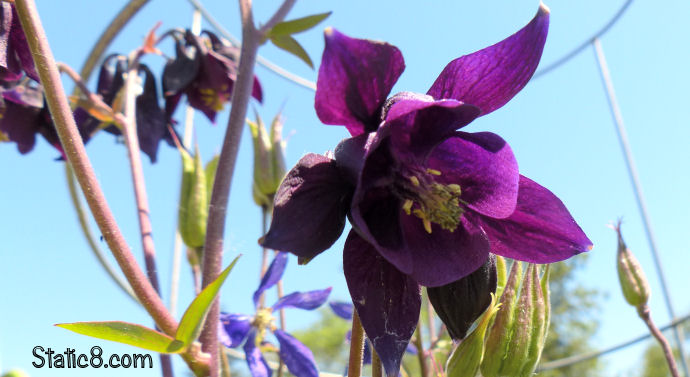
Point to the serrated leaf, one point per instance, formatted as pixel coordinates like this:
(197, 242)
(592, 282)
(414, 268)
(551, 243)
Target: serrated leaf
(127, 333)
(289, 44)
(297, 26)
(193, 318)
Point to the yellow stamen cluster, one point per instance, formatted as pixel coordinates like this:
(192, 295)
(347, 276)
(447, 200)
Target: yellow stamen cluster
(436, 203)
(263, 320)
(212, 98)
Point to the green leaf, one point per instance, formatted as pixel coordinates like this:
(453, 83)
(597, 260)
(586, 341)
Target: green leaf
(297, 26)
(290, 45)
(193, 318)
(127, 333)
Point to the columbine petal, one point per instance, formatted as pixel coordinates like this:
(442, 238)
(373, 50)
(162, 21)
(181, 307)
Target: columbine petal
(234, 329)
(255, 360)
(150, 118)
(20, 124)
(490, 77)
(303, 300)
(354, 80)
(296, 356)
(342, 309)
(541, 230)
(309, 208)
(485, 168)
(387, 301)
(273, 274)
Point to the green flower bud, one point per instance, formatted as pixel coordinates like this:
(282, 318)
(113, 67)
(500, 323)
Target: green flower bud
(516, 338)
(633, 281)
(193, 210)
(269, 159)
(466, 358)
(501, 275)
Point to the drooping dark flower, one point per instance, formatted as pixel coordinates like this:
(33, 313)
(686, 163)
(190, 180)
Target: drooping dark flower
(205, 69)
(427, 202)
(238, 328)
(15, 56)
(150, 118)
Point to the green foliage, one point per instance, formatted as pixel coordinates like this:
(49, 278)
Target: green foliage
(573, 320)
(127, 333)
(281, 35)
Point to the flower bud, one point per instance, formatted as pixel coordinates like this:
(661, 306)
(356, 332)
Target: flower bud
(461, 302)
(193, 211)
(466, 358)
(501, 275)
(15, 373)
(269, 160)
(633, 281)
(516, 338)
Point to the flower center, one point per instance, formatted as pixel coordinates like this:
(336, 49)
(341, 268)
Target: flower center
(263, 319)
(213, 98)
(433, 202)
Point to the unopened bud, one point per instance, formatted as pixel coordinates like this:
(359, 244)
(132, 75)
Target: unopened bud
(269, 160)
(516, 338)
(633, 281)
(461, 302)
(501, 275)
(193, 211)
(467, 357)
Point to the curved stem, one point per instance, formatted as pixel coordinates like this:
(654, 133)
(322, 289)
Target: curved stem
(354, 368)
(646, 316)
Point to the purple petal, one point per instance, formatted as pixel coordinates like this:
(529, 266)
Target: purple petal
(386, 300)
(303, 300)
(296, 356)
(150, 118)
(485, 168)
(273, 274)
(489, 78)
(411, 349)
(342, 309)
(354, 80)
(255, 360)
(21, 47)
(541, 230)
(309, 208)
(20, 124)
(234, 329)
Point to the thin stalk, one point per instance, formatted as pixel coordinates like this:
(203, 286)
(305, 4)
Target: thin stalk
(430, 322)
(129, 130)
(213, 252)
(76, 155)
(354, 368)
(646, 316)
(376, 368)
(421, 355)
(264, 253)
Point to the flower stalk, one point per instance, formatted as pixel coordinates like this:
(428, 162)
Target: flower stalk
(354, 368)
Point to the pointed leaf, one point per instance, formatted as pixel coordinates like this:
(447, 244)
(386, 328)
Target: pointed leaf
(194, 316)
(298, 25)
(127, 333)
(289, 44)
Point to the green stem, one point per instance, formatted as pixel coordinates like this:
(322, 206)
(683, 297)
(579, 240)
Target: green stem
(213, 251)
(646, 316)
(354, 368)
(423, 366)
(376, 368)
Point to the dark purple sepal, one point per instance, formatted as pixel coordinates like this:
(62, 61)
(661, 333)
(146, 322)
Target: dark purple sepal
(9, 70)
(490, 77)
(258, 366)
(461, 302)
(20, 124)
(309, 208)
(273, 274)
(296, 356)
(387, 301)
(342, 309)
(303, 300)
(178, 73)
(150, 118)
(234, 329)
(21, 47)
(350, 153)
(355, 78)
(541, 230)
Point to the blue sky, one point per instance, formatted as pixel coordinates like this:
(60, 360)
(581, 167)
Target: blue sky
(559, 127)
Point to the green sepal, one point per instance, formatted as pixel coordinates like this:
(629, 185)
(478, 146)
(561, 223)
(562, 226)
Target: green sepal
(193, 209)
(501, 275)
(298, 25)
(289, 44)
(210, 171)
(193, 318)
(127, 333)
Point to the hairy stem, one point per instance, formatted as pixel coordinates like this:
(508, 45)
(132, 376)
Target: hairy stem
(646, 316)
(213, 252)
(354, 368)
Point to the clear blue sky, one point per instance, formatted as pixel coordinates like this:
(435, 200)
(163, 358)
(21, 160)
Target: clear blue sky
(559, 127)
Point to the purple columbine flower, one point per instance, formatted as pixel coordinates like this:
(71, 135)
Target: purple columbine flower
(238, 328)
(427, 202)
(205, 69)
(15, 56)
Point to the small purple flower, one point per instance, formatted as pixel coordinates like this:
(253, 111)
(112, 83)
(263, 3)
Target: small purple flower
(205, 69)
(427, 202)
(15, 56)
(238, 328)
